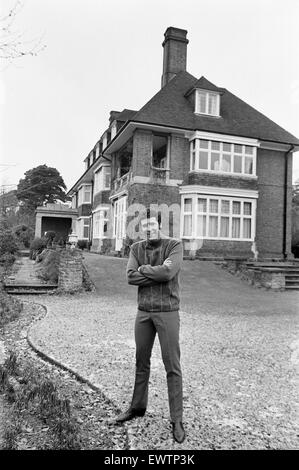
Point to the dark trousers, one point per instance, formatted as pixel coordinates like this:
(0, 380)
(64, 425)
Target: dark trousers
(167, 325)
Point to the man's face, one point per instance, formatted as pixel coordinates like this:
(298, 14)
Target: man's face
(150, 228)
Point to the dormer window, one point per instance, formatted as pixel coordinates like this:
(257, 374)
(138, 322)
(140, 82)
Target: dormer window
(207, 102)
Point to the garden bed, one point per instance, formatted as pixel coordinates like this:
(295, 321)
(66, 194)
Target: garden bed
(45, 407)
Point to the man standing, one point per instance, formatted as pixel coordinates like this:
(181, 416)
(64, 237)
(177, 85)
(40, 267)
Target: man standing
(153, 266)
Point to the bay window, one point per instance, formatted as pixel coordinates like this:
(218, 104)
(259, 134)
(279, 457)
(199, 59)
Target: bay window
(83, 226)
(84, 195)
(86, 223)
(100, 223)
(217, 217)
(222, 157)
(102, 179)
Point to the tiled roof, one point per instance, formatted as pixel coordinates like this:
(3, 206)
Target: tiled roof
(171, 107)
(125, 115)
(206, 85)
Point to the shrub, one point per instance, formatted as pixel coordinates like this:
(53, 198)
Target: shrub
(37, 246)
(8, 242)
(49, 266)
(7, 259)
(10, 308)
(39, 257)
(24, 235)
(33, 393)
(50, 235)
(61, 241)
(82, 244)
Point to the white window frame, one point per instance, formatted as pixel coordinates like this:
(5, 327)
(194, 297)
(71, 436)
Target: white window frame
(83, 189)
(99, 221)
(74, 201)
(120, 218)
(208, 94)
(104, 140)
(100, 179)
(230, 215)
(97, 150)
(81, 221)
(221, 153)
(113, 129)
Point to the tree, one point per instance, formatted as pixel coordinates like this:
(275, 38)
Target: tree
(8, 202)
(13, 45)
(40, 186)
(295, 198)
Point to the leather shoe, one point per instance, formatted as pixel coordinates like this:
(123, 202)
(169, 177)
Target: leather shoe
(178, 431)
(129, 414)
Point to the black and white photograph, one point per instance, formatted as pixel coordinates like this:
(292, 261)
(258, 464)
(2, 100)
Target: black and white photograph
(149, 228)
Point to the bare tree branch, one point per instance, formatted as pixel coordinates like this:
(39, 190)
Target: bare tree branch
(12, 42)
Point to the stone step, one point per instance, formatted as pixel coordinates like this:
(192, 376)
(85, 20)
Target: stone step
(273, 265)
(24, 253)
(30, 288)
(296, 287)
(285, 271)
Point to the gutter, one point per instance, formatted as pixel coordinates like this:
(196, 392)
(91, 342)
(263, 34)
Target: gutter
(285, 202)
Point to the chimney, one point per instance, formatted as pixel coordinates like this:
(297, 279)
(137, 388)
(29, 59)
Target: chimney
(175, 53)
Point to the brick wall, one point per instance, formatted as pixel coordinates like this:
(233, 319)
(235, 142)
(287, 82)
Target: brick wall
(84, 210)
(222, 248)
(222, 181)
(156, 194)
(179, 157)
(142, 151)
(153, 194)
(70, 271)
(289, 206)
(101, 198)
(270, 205)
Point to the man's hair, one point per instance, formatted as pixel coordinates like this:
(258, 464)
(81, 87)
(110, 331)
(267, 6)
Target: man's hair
(148, 214)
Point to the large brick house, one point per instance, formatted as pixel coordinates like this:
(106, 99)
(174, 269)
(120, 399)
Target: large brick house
(223, 168)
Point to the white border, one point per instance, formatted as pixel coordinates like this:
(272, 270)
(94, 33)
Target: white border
(193, 213)
(231, 139)
(237, 192)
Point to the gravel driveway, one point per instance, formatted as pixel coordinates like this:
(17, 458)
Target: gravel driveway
(240, 356)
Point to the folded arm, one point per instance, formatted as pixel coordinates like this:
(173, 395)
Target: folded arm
(167, 270)
(134, 277)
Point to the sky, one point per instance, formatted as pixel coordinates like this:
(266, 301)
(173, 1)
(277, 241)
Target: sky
(103, 55)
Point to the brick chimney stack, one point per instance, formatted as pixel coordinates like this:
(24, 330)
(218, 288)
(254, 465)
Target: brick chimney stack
(175, 53)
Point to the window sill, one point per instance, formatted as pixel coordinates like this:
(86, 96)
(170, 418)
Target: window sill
(185, 237)
(217, 116)
(100, 191)
(159, 168)
(225, 173)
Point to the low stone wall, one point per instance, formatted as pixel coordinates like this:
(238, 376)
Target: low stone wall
(263, 277)
(70, 270)
(272, 280)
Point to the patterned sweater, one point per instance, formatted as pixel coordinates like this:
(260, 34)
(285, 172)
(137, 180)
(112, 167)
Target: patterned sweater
(158, 286)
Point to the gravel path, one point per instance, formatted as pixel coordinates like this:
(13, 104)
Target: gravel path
(239, 347)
